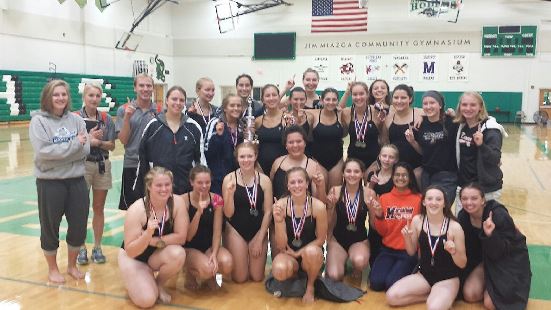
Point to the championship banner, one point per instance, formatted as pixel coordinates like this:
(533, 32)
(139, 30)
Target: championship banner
(373, 68)
(429, 67)
(458, 68)
(400, 68)
(446, 10)
(346, 70)
(321, 64)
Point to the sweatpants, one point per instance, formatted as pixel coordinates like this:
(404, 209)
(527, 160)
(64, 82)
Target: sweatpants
(390, 266)
(447, 180)
(56, 198)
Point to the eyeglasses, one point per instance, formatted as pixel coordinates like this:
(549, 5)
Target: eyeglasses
(401, 175)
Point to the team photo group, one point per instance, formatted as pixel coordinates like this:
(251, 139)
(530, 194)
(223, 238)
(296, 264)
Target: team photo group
(296, 185)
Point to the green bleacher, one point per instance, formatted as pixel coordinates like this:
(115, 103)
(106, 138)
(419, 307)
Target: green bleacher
(29, 84)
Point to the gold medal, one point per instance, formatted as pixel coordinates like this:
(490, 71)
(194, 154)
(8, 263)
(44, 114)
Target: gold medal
(160, 244)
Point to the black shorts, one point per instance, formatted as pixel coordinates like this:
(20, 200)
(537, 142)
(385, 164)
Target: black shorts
(128, 194)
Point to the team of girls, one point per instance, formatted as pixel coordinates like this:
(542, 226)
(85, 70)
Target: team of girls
(170, 178)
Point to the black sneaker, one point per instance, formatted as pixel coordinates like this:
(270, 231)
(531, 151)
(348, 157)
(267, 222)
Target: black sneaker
(97, 256)
(82, 258)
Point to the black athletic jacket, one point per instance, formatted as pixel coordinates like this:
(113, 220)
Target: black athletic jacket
(178, 152)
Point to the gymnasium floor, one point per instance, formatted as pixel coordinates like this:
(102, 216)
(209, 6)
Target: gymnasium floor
(23, 273)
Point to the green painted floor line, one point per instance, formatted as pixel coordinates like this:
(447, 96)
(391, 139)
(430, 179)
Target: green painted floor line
(540, 264)
(72, 289)
(542, 145)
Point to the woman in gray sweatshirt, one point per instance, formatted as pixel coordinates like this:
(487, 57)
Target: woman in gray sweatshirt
(60, 144)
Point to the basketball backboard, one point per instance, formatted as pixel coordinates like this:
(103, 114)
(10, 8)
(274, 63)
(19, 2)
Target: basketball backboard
(129, 41)
(225, 17)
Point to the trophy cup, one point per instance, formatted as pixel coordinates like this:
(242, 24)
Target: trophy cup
(249, 130)
(289, 118)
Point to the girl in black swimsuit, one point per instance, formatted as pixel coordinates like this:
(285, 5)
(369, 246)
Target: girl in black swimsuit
(248, 208)
(269, 129)
(155, 228)
(363, 126)
(348, 212)
(401, 124)
(294, 140)
(205, 255)
(298, 116)
(440, 241)
(301, 228)
(310, 80)
(327, 137)
(379, 95)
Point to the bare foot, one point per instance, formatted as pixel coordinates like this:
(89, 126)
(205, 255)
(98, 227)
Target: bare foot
(212, 284)
(56, 277)
(191, 283)
(164, 296)
(308, 297)
(171, 282)
(75, 273)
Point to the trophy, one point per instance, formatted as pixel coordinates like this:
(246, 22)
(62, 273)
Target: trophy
(249, 130)
(289, 118)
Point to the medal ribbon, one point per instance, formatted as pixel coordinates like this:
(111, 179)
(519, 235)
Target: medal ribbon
(297, 228)
(442, 230)
(360, 128)
(162, 224)
(352, 206)
(205, 119)
(234, 136)
(252, 194)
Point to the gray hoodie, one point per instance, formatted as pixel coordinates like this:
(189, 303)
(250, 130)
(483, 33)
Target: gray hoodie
(58, 154)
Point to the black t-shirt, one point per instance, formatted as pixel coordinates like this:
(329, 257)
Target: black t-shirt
(468, 153)
(437, 142)
(473, 245)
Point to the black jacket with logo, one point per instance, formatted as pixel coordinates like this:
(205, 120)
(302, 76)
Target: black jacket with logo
(178, 152)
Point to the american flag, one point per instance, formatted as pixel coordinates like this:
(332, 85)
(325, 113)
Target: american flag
(338, 16)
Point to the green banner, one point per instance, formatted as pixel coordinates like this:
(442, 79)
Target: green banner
(81, 3)
(99, 6)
